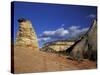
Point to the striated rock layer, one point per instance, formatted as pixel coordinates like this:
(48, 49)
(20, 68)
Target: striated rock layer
(59, 45)
(26, 36)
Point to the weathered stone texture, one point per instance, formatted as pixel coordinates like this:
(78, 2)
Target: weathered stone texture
(26, 35)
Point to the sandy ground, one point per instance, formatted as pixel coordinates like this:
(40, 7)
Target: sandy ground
(29, 60)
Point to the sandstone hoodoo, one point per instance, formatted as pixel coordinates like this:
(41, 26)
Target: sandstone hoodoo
(26, 36)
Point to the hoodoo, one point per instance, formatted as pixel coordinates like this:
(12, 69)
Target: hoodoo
(26, 36)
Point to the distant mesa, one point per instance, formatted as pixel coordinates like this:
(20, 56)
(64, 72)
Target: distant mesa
(26, 35)
(59, 45)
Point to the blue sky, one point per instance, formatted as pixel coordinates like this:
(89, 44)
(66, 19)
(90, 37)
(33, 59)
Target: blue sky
(55, 21)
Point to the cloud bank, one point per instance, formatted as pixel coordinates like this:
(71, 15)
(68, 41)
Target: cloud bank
(61, 33)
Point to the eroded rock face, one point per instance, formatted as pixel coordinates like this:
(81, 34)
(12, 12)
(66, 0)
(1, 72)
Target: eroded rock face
(59, 45)
(26, 35)
(86, 47)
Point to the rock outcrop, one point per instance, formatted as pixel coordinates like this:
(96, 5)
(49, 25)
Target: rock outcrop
(26, 36)
(86, 46)
(59, 45)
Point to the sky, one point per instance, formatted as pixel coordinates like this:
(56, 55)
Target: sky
(55, 21)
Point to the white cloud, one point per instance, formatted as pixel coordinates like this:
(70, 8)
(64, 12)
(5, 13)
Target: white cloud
(60, 32)
(44, 39)
(74, 27)
(75, 31)
(91, 16)
(48, 33)
(84, 29)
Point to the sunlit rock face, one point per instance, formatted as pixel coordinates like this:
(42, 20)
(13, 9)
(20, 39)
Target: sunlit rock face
(59, 45)
(26, 36)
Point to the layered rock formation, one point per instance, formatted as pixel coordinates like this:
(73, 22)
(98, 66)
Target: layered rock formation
(59, 45)
(86, 46)
(26, 35)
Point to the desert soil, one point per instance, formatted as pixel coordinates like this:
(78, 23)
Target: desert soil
(30, 60)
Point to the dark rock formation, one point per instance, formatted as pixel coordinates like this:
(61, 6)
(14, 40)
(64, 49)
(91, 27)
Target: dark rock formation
(21, 20)
(86, 46)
